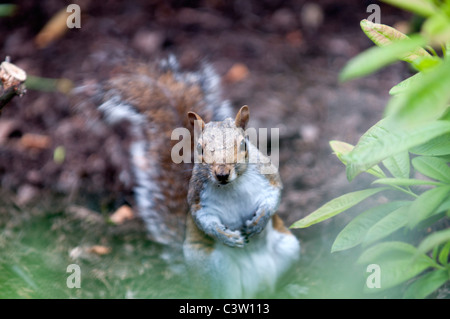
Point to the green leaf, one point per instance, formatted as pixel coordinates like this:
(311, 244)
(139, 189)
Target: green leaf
(355, 231)
(377, 57)
(404, 182)
(426, 204)
(381, 34)
(405, 84)
(434, 239)
(398, 262)
(443, 255)
(335, 206)
(426, 284)
(436, 147)
(398, 164)
(420, 7)
(342, 148)
(437, 28)
(432, 167)
(385, 139)
(423, 100)
(387, 225)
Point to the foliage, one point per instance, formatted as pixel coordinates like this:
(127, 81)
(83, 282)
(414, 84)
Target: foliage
(408, 151)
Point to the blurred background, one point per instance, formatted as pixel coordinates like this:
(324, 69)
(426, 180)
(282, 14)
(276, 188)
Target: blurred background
(63, 173)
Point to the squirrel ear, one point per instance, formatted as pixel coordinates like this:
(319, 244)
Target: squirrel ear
(193, 117)
(242, 117)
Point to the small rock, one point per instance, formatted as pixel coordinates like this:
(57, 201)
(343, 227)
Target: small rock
(148, 41)
(25, 194)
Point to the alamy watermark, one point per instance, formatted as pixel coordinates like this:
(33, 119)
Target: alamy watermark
(74, 279)
(74, 19)
(374, 279)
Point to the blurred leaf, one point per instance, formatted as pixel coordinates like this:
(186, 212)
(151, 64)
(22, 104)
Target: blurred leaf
(426, 284)
(387, 225)
(381, 34)
(397, 260)
(341, 148)
(385, 139)
(398, 164)
(7, 10)
(433, 167)
(405, 84)
(444, 254)
(426, 204)
(436, 147)
(434, 239)
(404, 182)
(335, 206)
(49, 85)
(353, 234)
(377, 57)
(420, 7)
(437, 28)
(55, 28)
(424, 100)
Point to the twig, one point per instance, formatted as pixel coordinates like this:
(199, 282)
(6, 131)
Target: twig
(12, 78)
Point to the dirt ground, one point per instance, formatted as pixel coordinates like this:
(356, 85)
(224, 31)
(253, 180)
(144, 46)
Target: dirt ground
(282, 58)
(285, 57)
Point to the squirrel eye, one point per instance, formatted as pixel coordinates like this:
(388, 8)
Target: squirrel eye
(199, 148)
(243, 145)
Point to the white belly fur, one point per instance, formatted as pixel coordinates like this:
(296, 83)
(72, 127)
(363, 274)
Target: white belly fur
(244, 272)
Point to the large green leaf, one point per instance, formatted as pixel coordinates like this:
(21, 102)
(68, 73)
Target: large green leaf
(335, 206)
(398, 262)
(342, 148)
(385, 139)
(353, 234)
(426, 204)
(424, 100)
(405, 84)
(387, 225)
(420, 7)
(427, 284)
(377, 57)
(398, 164)
(434, 239)
(436, 147)
(444, 254)
(433, 167)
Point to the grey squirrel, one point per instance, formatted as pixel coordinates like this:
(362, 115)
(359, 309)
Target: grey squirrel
(220, 214)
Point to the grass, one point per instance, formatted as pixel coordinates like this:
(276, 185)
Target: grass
(37, 245)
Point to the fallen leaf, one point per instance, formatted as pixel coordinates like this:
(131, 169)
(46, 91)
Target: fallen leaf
(35, 141)
(237, 73)
(55, 28)
(99, 250)
(122, 214)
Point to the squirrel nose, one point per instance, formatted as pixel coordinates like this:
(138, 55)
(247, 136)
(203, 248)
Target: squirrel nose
(222, 177)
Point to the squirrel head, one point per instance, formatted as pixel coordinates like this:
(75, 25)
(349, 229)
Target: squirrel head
(222, 146)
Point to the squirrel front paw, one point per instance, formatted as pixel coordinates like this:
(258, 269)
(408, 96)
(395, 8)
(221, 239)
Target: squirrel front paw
(257, 223)
(232, 238)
